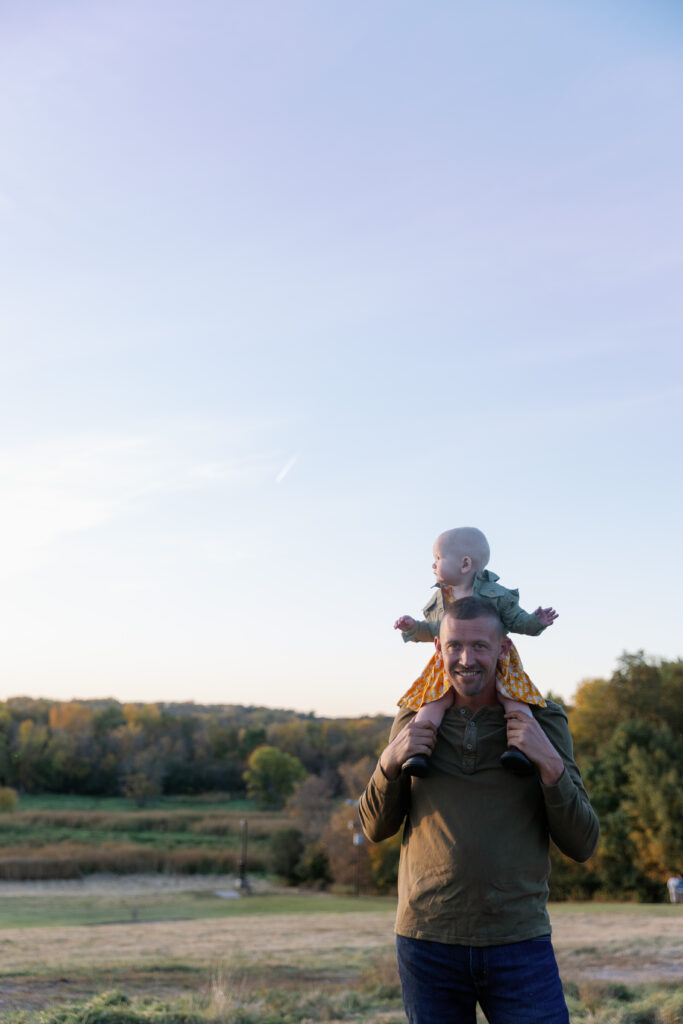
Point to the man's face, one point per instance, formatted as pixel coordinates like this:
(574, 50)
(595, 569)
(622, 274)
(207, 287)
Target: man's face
(470, 649)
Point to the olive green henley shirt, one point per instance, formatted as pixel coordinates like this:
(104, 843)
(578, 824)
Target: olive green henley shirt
(474, 861)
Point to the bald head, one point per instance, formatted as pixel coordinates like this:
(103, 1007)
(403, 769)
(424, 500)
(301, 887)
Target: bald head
(466, 542)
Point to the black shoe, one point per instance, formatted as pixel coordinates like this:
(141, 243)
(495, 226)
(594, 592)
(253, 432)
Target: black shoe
(517, 762)
(417, 766)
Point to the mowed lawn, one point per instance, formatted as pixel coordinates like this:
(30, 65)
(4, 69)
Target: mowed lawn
(290, 958)
(60, 910)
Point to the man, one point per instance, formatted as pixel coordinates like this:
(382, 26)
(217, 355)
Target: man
(472, 924)
(675, 887)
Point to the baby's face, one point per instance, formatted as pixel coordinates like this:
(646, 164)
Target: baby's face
(447, 563)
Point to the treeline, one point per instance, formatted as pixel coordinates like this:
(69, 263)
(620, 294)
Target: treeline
(628, 742)
(104, 748)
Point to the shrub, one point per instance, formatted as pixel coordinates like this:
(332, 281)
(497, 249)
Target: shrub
(314, 867)
(286, 849)
(138, 786)
(8, 799)
(384, 859)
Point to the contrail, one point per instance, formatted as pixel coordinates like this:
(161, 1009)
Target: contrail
(285, 470)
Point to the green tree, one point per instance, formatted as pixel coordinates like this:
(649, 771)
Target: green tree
(653, 803)
(271, 776)
(29, 756)
(628, 740)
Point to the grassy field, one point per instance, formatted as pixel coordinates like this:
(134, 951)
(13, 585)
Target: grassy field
(68, 837)
(55, 910)
(289, 958)
(169, 948)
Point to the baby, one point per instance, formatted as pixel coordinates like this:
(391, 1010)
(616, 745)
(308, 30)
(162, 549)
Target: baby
(459, 559)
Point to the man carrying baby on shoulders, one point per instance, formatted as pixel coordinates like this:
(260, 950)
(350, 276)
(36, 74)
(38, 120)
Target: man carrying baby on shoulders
(472, 923)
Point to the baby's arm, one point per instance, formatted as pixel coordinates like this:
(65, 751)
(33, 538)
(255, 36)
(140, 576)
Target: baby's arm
(516, 620)
(420, 632)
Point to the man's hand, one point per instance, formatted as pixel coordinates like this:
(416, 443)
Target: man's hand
(414, 738)
(546, 616)
(405, 623)
(525, 733)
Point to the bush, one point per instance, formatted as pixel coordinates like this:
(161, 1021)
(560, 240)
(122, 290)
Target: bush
(295, 862)
(314, 867)
(9, 799)
(139, 787)
(286, 850)
(384, 858)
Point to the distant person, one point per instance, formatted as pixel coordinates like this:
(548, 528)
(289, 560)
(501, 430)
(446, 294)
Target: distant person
(460, 557)
(472, 923)
(675, 887)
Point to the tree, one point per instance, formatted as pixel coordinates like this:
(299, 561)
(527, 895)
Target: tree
(271, 776)
(627, 737)
(29, 756)
(348, 855)
(653, 804)
(355, 776)
(310, 806)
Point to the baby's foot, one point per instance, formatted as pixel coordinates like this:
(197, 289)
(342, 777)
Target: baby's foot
(417, 766)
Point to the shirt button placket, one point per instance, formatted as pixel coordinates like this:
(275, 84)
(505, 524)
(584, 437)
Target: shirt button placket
(469, 754)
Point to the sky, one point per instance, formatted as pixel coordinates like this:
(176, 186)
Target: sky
(288, 289)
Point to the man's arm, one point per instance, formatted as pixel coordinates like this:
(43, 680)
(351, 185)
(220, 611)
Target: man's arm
(572, 822)
(384, 804)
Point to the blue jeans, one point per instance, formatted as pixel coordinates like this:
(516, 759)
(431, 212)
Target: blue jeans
(514, 984)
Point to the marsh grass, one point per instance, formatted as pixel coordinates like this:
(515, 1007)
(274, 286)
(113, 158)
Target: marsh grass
(66, 860)
(62, 841)
(213, 800)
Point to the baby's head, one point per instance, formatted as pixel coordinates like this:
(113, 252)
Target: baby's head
(459, 554)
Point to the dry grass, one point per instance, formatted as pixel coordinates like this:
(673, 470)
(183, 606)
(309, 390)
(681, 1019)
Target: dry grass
(342, 965)
(201, 821)
(42, 844)
(73, 860)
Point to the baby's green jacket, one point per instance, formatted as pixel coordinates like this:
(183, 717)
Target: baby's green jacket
(486, 585)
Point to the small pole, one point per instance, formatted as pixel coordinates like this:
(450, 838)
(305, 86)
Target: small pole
(358, 842)
(242, 865)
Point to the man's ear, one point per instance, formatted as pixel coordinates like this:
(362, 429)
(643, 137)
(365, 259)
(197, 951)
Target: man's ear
(505, 645)
(437, 644)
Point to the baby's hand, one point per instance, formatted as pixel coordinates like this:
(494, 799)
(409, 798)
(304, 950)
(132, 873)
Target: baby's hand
(546, 616)
(405, 623)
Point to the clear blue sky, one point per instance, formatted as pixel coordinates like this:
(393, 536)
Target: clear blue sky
(290, 288)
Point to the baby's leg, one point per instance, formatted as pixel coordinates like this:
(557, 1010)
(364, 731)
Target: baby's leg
(433, 712)
(436, 709)
(513, 759)
(512, 705)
